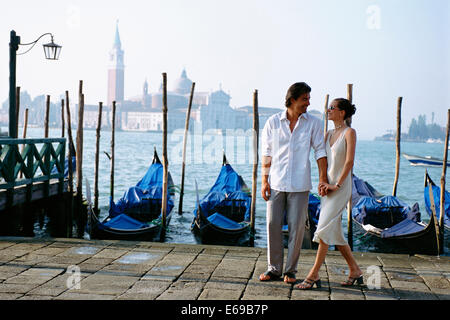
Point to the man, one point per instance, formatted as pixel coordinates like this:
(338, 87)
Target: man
(287, 139)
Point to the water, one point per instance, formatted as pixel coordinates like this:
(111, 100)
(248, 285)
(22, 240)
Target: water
(374, 162)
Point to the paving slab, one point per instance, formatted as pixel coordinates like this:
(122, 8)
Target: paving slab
(78, 269)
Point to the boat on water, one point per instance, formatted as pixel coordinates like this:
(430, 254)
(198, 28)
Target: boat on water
(437, 200)
(426, 161)
(222, 216)
(137, 215)
(392, 223)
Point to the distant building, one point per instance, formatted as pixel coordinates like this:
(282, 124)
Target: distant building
(116, 70)
(211, 111)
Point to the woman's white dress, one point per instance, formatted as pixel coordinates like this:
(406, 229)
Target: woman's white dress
(329, 227)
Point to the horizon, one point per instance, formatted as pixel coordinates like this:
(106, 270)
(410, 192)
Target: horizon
(386, 49)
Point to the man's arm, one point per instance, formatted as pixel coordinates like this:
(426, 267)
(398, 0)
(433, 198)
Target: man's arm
(265, 168)
(318, 143)
(266, 149)
(322, 164)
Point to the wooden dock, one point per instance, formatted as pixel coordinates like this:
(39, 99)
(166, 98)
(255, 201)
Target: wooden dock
(76, 269)
(32, 181)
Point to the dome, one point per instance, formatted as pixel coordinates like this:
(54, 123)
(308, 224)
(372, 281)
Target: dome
(183, 84)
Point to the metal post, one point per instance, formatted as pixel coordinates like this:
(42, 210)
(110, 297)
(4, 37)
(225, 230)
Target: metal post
(13, 47)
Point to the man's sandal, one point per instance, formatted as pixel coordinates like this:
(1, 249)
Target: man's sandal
(268, 276)
(308, 284)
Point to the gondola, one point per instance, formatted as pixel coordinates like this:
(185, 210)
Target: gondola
(222, 216)
(137, 215)
(437, 201)
(392, 223)
(426, 161)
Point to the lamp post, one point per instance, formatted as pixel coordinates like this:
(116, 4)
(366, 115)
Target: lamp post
(51, 50)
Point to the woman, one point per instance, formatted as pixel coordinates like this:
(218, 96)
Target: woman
(340, 146)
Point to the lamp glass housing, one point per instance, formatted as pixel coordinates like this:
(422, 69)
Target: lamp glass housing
(52, 51)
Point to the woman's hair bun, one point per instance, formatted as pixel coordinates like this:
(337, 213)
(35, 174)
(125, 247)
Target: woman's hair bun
(344, 104)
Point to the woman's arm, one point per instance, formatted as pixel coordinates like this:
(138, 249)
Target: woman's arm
(350, 138)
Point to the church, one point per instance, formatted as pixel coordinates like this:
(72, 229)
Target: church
(210, 112)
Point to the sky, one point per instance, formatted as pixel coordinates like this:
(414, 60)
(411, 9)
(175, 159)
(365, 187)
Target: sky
(386, 49)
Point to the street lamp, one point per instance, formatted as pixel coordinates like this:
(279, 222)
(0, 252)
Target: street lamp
(51, 50)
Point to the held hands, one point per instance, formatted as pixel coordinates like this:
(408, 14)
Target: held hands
(325, 188)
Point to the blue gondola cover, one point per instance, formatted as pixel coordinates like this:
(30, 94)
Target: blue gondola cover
(404, 227)
(148, 191)
(223, 221)
(437, 198)
(381, 213)
(228, 191)
(122, 221)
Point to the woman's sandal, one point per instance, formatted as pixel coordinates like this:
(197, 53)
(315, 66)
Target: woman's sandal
(351, 281)
(308, 284)
(268, 276)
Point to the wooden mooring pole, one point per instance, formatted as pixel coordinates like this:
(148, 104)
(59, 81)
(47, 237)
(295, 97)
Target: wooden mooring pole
(325, 115)
(186, 131)
(70, 171)
(165, 162)
(25, 124)
(349, 204)
(97, 154)
(47, 116)
(113, 134)
(79, 198)
(397, 145)
(442, 197)
(255, 165)
(24, 134)
(433, 215)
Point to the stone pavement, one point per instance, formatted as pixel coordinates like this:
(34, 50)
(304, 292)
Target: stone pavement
(76, 269)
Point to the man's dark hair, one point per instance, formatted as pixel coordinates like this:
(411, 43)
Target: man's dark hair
(295, 91)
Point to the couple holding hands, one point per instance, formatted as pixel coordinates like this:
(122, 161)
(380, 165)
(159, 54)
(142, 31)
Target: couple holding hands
(287, 139)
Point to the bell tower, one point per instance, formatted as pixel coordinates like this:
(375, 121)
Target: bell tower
(116, 71)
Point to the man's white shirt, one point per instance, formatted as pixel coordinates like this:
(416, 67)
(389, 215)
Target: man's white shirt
(290, 170)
